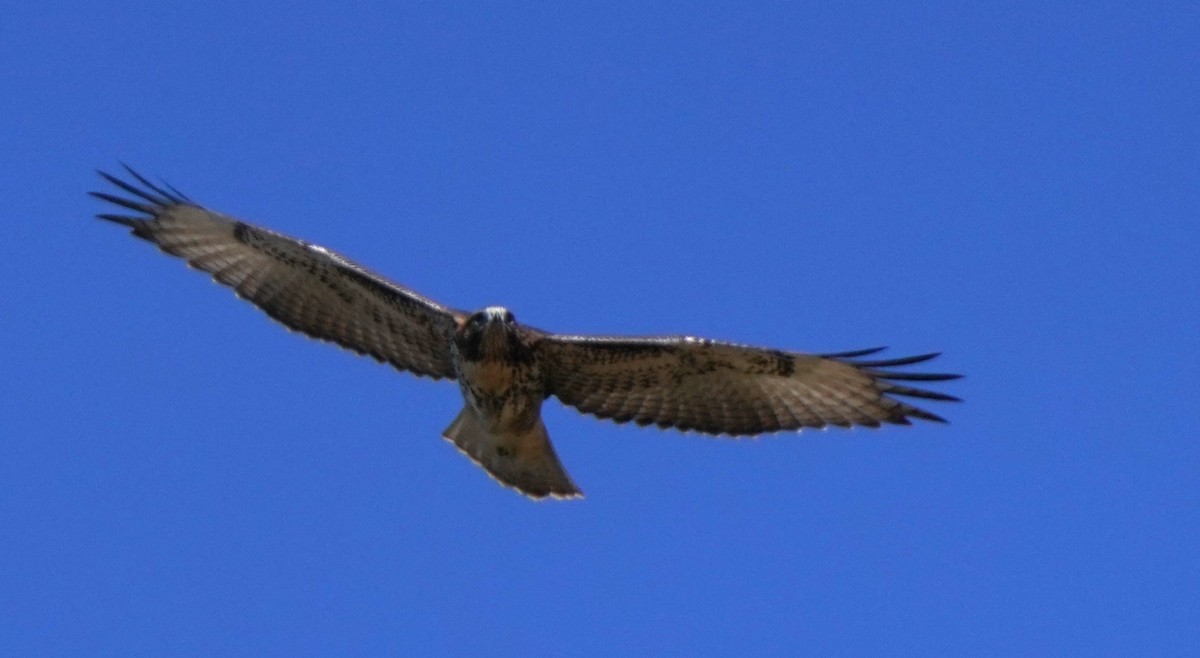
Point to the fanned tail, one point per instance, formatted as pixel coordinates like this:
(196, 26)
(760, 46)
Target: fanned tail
(524, 460)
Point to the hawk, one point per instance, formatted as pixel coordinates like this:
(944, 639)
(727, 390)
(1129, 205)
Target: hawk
(505, 369)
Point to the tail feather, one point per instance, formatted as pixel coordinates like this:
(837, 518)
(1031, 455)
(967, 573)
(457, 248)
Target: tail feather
(524, 460)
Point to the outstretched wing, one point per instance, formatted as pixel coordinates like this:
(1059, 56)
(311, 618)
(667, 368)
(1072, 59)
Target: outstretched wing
(306, 287)
(722, 388)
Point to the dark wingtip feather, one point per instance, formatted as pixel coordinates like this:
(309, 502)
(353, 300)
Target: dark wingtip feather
(912, 376)
(124, 220)
(885, 382)
(167, 197)
(902, 361)
(925, 415)
(124, 203)
(908, 391)
(150, 198)
(181, 196)
(853, 353)
(899, 418)
(112, 179)
(136, 191)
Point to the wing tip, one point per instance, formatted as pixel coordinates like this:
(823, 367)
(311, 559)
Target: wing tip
(915, 412)
(853, 353)
(885, 382)
(148, 198)
(123, 220)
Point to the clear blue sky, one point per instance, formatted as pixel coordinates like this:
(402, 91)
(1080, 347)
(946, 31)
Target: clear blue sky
(1015, 184)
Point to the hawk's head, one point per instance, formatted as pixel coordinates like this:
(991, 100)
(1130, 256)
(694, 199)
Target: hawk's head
(492, 333)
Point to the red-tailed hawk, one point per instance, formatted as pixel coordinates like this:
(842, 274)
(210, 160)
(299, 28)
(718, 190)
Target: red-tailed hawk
(505, 369)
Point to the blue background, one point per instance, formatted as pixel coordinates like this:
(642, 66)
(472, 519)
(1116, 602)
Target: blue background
(1014, 183)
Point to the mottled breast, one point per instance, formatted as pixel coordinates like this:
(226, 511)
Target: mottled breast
(505, 393)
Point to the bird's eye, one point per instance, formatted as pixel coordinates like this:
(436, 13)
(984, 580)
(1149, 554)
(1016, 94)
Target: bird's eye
(508, 317)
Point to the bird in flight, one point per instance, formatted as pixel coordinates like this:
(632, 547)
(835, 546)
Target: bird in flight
(505, 369)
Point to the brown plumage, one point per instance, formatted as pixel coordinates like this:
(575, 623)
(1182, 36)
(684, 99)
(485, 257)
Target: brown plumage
(506, 370)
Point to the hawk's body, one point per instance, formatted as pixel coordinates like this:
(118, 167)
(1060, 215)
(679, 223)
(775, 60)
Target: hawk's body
(506, 370)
